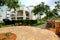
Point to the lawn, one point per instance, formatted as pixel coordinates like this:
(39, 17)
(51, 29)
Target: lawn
(39, 23)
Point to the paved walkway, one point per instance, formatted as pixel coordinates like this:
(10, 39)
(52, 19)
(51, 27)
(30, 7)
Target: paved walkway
(43, 26)
(30, 33)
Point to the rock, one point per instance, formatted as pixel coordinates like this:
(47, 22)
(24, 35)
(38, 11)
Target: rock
(30, 33)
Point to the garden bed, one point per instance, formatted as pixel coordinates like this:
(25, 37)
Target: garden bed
(53, 25)
(7, 36)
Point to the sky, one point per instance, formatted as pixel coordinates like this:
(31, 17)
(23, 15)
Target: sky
(36, 2)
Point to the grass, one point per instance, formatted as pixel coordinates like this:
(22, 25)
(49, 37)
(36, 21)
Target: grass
(2, 24)
(39, 23)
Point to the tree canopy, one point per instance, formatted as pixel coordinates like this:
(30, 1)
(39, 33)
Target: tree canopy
(51, 13)
(9, 3)
(57, 5)
(40, 8)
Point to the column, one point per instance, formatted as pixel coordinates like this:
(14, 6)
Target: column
(30, 15)
(16, 16)
(24, 14)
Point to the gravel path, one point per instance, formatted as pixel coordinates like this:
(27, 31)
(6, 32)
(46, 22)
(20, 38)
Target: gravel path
(30, 33)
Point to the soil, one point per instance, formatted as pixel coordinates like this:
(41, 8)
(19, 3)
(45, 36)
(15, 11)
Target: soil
(3, 36)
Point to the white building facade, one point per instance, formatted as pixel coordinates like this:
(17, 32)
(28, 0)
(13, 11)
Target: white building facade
(21, 13)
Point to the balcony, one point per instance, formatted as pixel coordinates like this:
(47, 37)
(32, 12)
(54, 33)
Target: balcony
(23, 8)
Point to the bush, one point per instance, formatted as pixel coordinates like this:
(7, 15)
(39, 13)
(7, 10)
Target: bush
(26, 22)
(50, 23)
(7, 21)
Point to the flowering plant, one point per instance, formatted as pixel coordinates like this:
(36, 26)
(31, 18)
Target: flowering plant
(50, 23)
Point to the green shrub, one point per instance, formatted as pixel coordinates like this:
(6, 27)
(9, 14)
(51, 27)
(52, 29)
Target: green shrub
(25, 22)
(2, 24)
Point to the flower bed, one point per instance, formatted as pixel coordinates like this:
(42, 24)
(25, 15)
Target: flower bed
(50, 23)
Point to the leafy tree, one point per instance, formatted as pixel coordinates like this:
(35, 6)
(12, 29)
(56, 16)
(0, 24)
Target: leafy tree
(40, 9)
(54, 12)
(2, 2)
(10, 3)
(57, 5)
(48, 14)
(51, 13)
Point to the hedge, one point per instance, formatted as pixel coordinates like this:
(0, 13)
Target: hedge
(26, 22)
